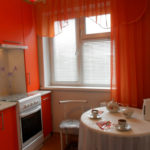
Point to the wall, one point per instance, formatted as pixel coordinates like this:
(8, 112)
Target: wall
(12, 72)
(16, 59)
(74, 110)
(4, 90)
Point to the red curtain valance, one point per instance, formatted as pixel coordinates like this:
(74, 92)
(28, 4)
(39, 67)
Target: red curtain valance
(52, 10)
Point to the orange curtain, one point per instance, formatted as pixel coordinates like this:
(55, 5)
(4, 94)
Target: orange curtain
(53, 10)
(130, 60)
(130, 37)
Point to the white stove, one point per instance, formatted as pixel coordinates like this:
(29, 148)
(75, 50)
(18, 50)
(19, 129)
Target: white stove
(29, 119)
(25, 101)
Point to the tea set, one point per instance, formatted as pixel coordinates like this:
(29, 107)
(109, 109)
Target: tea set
(113, 107)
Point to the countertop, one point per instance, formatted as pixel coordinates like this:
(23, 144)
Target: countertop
(5, 105)
(41, 92)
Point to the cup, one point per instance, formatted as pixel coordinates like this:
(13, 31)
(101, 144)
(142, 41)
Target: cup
(94, 113)
(122, 123)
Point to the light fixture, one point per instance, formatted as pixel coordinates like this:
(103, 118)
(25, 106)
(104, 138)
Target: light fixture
(35, 1)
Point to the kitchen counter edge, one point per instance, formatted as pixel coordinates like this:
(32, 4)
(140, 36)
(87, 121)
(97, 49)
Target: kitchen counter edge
(41, 92)
(6, 105)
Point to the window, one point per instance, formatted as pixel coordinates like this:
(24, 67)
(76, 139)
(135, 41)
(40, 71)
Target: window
(80, 52)
(64, 49)
(99, 24)
(96, 62)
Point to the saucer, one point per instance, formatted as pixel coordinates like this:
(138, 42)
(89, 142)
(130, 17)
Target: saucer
(126, 128)
(92, 117)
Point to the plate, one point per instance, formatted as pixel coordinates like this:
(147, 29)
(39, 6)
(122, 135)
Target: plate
(127, 128)
(92, 117)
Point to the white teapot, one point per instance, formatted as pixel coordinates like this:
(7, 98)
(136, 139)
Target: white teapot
(112, 106)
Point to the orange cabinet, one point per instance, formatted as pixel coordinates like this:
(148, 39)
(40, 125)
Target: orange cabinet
(17, 26)
(31, 54)
(8, 129)
(11, 25)
(46, 114)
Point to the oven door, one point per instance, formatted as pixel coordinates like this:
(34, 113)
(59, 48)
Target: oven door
(31, 125)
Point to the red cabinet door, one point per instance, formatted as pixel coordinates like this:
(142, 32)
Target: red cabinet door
(11, 24)
(46, 114)
(31, 54)
(8, 129)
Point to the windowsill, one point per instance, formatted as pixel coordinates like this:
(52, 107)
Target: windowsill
(74, 88)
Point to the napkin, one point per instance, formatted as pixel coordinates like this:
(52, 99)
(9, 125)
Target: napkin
(104, 124)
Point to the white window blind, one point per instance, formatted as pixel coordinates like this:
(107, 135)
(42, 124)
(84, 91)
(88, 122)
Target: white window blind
(96, 62)
(64, 58)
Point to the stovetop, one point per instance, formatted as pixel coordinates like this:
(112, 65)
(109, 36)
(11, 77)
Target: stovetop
(25, 102)
(15, 97)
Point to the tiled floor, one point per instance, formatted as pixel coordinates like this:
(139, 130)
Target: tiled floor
(53, 143)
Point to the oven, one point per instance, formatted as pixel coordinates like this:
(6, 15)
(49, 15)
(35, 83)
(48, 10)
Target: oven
(30, 122)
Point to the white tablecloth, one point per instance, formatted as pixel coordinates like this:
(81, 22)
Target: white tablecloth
(91, 137)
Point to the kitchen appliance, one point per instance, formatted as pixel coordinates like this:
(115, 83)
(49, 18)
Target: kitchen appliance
(29, 120)
(146, 109)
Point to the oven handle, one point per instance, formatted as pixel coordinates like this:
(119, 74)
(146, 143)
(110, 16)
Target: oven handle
(24, 114)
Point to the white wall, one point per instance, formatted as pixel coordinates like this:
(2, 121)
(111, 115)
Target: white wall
(93, 98)
(18, 83)
(12, 72)
(4, 88)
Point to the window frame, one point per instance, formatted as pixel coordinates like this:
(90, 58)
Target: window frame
(91, 36)
(80, 37)
(64, 83)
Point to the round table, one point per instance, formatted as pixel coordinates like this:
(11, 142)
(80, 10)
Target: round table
(91, 137)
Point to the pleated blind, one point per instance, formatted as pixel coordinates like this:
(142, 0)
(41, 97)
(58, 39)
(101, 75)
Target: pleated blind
(96, 62)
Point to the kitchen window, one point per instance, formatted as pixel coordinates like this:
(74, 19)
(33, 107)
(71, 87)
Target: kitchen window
(80, 53)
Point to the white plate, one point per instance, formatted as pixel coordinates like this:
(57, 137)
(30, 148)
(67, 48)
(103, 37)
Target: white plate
(127, 128)
(92, 117)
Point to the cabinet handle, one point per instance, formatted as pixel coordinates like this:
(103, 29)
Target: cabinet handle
(44, 99)
(2, 120)
(29, 78)
(14, 42)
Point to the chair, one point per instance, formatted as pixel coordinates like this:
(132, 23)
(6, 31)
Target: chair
(69, 126)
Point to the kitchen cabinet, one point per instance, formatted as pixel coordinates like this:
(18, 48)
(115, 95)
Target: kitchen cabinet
(46, 114)
(11, 25)
(8, 129)
(31, 54)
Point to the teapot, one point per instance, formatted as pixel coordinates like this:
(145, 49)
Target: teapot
(112, 106)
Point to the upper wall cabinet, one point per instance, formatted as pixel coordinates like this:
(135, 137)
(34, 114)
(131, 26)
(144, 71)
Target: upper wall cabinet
(11, 25)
